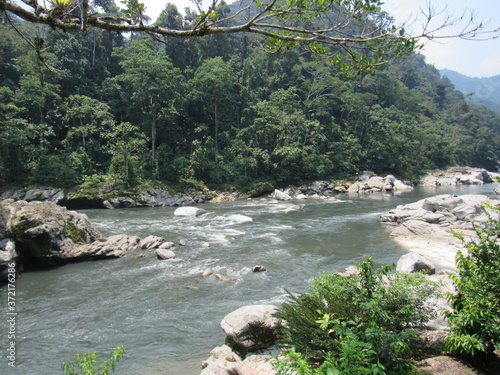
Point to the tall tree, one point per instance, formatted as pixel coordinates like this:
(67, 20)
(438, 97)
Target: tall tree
(217, 92)
(150, 80)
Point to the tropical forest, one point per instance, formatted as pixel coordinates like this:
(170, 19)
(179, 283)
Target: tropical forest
(219, 111)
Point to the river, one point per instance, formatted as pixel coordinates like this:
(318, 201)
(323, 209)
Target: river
(164, 312)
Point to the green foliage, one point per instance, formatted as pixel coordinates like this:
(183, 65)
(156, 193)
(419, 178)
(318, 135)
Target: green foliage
(88, 364)
(355, 325)
(51, 170)
(475, 319)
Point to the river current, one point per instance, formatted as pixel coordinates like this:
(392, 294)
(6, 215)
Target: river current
(163, 311)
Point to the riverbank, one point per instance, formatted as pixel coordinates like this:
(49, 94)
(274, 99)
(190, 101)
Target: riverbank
(117, 195)
(428, 226)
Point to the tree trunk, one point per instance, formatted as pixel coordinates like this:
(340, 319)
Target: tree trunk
(216, 136)
(154, 114)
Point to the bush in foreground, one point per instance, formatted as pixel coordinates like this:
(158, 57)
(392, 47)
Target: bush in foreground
(87, 364)
(355, 325)
(475, 318)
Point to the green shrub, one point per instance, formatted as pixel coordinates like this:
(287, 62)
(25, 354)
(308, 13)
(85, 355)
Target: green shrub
(51, 170)
(475, 319)
(345, 323)
(87, 364)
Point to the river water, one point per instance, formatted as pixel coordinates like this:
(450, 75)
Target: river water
(164, 312)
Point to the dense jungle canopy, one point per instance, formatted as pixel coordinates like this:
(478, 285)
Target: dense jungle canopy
(91, 104)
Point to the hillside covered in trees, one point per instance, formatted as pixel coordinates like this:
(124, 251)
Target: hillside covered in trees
(101, 106)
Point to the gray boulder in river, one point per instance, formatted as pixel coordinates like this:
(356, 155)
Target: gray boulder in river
(43, 234)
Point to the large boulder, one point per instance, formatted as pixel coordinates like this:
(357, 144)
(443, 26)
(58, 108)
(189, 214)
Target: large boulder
(222, 361)
(412, 262)
(165, 254)
(152, 242)
(115, 246)
(251, 328)
(260, 189)
(45, 232)
(281, 196)
(189, 211)
(42, 234)
(446, 209)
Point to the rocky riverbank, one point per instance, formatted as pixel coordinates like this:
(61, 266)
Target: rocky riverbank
(458, 176)
(251, 338)
(426, 227)
(109, 197)
(118, 196)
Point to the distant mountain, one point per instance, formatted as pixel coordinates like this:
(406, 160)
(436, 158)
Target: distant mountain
(483, 91)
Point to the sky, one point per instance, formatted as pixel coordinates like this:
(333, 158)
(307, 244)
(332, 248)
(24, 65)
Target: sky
(471, 58)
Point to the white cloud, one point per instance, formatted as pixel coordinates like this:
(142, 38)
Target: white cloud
(490, 65)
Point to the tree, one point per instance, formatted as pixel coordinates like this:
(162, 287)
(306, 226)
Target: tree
(13, 141)
(126, 140)
(356, 34)
(280, 141)
(216, 90)
(150, 80)
(89, 123)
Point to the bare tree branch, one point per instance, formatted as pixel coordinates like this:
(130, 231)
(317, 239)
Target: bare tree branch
(355, 25)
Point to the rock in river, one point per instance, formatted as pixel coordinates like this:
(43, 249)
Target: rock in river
(43, 234)
(189, 211)
(164, 254)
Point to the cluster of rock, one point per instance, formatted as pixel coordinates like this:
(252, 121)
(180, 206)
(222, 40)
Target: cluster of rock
(156, 197)
(43, 234)
(424, 227)
(366, 183)
(318, 189)
(369, 183)
(29, 195)
(248, 330)
(457, 176)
